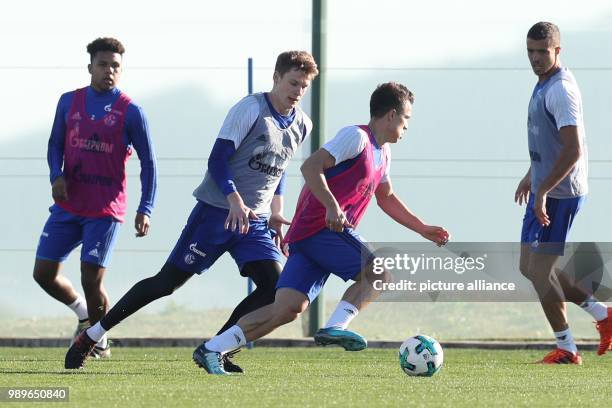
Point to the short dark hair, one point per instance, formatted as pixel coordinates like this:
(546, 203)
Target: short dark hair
(388, 96)
(300, 60)
(545, 31)
(105, 44)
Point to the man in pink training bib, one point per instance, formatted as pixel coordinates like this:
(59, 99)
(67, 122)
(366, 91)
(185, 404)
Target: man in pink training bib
(341, 178)
(93, 134)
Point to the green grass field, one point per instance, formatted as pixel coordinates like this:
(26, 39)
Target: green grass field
(148, 377)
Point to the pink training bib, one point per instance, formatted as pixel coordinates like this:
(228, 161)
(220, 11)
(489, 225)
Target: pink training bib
(94, 160)
(353, 189)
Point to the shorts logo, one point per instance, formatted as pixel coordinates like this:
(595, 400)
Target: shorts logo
(45, 234)
(94, 253)
(189, 259)
(195, 250)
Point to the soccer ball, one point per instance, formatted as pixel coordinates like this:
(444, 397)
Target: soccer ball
(421, 356)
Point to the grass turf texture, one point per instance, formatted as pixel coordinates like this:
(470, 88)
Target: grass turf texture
(149, 377)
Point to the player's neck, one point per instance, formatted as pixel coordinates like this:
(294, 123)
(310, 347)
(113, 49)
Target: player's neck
(377, 131)
(544, 77)
(101, 91)
(274, 100)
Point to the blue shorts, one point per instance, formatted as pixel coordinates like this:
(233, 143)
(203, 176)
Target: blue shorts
(550, 239)
(64, 231)
(204, 239)
(313, 259)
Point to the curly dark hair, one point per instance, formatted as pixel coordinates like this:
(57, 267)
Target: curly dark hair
(544, 31)
(387, 96)
(105, 44)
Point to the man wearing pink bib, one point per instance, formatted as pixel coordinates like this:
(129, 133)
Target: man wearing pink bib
(93, 134)
(341, 178)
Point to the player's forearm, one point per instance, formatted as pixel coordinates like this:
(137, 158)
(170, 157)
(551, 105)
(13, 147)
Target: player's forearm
(399, 212)
(148, 187)
(218, 165)
(139, 136)
(55, 149)
(55, 160)
(563, 166)
(235, 199)
(315, 181)
(277, 204)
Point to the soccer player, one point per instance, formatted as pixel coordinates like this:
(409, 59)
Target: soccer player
(554, 189)
(243, 186)
(341, 179)
(94, 131)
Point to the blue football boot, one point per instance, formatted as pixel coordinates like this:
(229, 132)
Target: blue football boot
(209, 360)
(351, 341)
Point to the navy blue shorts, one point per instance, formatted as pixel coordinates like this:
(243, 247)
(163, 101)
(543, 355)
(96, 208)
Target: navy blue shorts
(64, 231)
(204, 239)
(550, 239)
(313, 259)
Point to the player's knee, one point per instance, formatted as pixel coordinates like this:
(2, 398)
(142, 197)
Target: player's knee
(166, 289)
(370, 275)
(41, 279)
(169, 279)
(384, 277)
(45, 272)
(526, 270)
(267, 294)
(290, 312)
(287, 316)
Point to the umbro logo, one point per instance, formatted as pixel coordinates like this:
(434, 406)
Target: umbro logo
(94, 252)
(262, 138)
(237, 338)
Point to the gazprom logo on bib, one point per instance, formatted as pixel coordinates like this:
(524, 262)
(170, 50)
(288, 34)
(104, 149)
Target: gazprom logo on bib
(195, 250)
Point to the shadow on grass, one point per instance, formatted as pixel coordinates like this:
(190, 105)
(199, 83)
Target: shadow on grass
(81, 372)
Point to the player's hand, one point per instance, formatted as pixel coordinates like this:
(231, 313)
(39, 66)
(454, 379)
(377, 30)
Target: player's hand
(276, 223)
(335, 219)
(521, 194)
(539, 209)
(435, 234)
(142, 224)
(239, 215)
(58, 189)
